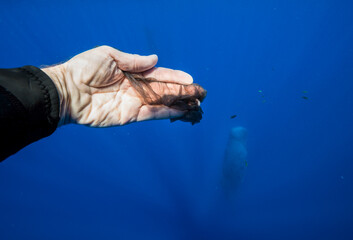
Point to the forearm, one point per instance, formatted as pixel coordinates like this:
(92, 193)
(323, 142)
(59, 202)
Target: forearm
(29, 108)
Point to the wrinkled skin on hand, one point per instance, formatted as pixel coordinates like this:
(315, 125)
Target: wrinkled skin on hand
(95, 89)
(189, 103)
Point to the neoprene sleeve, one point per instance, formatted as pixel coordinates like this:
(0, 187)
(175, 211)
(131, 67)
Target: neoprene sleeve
(29, 108)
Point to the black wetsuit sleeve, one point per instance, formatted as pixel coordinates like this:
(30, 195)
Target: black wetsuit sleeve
(29, 108)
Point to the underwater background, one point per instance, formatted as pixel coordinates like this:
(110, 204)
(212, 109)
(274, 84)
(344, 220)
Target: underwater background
(284, 68)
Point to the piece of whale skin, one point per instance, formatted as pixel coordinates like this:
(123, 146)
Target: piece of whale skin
(234, 162)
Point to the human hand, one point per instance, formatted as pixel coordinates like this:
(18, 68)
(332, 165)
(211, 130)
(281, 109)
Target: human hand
(105, 87)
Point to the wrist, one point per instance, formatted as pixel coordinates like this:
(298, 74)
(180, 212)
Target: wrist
(57, 75)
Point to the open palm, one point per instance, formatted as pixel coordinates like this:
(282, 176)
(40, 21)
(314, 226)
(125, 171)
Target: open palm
(95, 91)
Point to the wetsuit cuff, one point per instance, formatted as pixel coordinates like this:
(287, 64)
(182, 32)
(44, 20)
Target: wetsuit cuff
(50, 95)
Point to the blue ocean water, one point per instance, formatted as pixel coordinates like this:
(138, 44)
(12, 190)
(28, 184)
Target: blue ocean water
(157, 180)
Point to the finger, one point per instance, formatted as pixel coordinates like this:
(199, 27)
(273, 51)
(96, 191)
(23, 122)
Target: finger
(133, 62)
(172, 89)
(149, 112)
(168, 75)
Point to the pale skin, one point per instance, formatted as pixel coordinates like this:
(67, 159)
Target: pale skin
(94, 91)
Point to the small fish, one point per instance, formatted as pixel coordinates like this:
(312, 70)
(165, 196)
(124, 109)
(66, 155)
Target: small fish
(233, 116)
(305, 92)
(260, 91)
(305, 97)
(246, 163)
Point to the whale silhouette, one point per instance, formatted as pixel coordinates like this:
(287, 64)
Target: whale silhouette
(234, 162)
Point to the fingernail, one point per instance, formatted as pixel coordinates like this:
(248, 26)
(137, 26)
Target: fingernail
(154, 55)
(185, 78)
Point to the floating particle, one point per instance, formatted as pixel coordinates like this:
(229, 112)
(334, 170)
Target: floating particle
(305, 92)
(305, 97)
(262, 95)
(233, 116)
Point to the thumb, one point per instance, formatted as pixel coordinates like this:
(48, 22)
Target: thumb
(134, 62)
